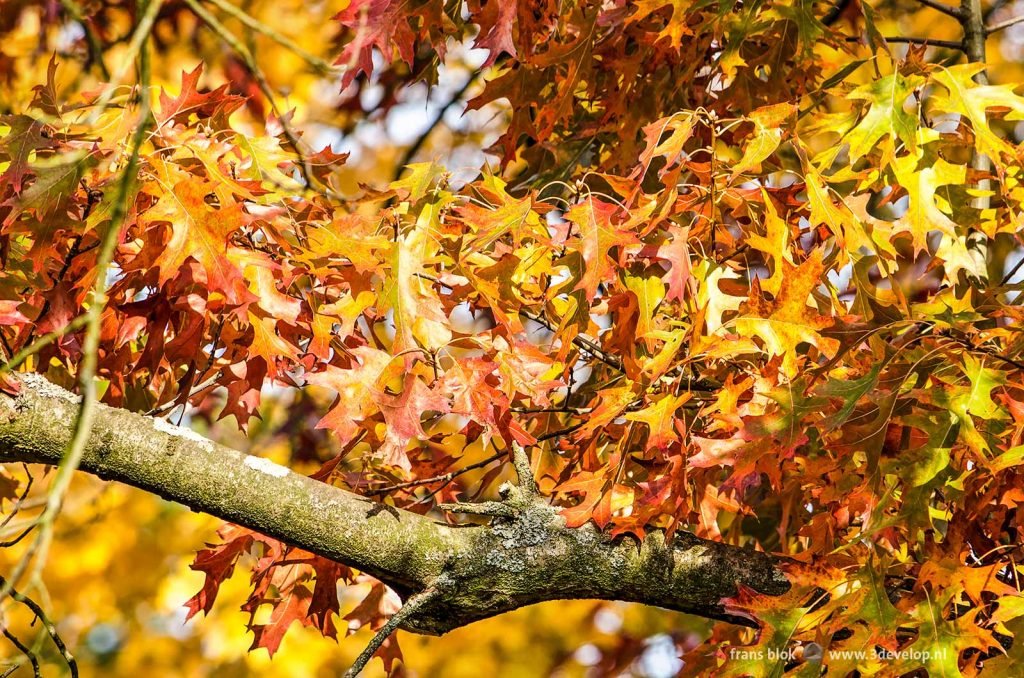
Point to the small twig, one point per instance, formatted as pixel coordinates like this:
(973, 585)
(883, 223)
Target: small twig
(927, 42)
(735, 253)
(21, 500)
(551, 410)
(91, 39)
(171, 405)
(411, 606)
(318, 64)
(948, 10)
(524, 474)
(305, 166)
(993, 8)
(834, 12)
(135, 47)
(24, 533)
(48, 625)
(411, 152)
(25, 651)
(581, 342)
(42, 342)
(1002, 25)
(562, 432)
(443, 478)
(1013, 271)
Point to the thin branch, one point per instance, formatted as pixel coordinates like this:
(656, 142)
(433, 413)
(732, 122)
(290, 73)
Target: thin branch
(169, 406)
(581, 342)
(927, 42)
(993, 8)
(318, 64)
(834, 12)
(135, 48)
(42, 342)
(558, 434)
(1012, 272)
(414, 603)
(411, 152)
(1002, 25)
(25, 651)
(443, 478)
(185, 396)
(554, 410)
(24, 533)
(72, 457)
(305, 166)
(21, 500)
(524, 474)
(48, 625)
(948, 10)
(91, 39)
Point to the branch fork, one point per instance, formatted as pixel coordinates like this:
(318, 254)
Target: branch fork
(516, 500)
(449, 576)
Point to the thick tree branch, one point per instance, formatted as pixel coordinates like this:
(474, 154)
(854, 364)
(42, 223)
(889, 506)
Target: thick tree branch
(477, 571)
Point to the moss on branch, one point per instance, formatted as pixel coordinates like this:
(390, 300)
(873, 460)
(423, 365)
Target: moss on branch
(478, 571)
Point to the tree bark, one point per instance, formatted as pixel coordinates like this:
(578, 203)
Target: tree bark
(973, 22)
(478, 571)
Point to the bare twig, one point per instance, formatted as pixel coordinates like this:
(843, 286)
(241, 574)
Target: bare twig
(414, 603)
(25, 651)
(42, 342)
(24, 533)
(581, 342)
(562, 432)
(410, 153)
(21, 500)
(318, 64)
(305, 165)
(948, 10)
(91, 39)
(443, 478)
(927, 42)
(173, 404)
(48, 625)
(1002, 25)
(135, 48)
(551, 410)
(834, 12)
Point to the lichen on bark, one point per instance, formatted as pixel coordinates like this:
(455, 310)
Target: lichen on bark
(525, 557)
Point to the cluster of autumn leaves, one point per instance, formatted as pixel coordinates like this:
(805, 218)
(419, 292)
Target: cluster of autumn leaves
(770, 328)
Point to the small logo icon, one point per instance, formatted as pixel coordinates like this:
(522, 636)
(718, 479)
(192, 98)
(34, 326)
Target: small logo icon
(813, 652)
